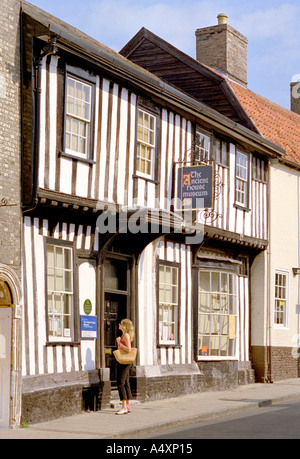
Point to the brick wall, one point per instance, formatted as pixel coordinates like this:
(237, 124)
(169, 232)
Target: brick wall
(283, 364)
(10, 135)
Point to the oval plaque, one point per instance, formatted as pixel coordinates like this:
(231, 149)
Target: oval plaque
(87, 307)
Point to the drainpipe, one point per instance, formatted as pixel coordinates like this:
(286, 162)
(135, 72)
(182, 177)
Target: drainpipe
(269, 285)
(49, 49)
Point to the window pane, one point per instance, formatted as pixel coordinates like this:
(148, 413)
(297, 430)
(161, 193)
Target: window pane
(215, 282)
(205, 281)
(50, 255)
(224, 154)
(51, 279)
(204, 302)
(218, 151)
(59, 280)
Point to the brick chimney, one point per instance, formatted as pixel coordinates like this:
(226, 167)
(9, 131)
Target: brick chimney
(223, 48)
(295, 97)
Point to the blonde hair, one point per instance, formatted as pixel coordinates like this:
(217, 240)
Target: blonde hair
(128, 327)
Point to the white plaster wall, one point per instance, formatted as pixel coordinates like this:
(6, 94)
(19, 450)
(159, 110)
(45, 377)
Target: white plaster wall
(284, 246)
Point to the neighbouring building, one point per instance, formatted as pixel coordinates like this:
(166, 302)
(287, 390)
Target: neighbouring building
(10, 214)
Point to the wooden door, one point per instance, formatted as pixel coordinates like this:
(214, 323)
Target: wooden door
(115, 307)
(5, 364)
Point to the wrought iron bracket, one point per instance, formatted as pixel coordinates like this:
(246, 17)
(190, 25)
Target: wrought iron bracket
(4, 203)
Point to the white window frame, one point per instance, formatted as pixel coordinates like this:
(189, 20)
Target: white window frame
(281, 295)
(168, 307)
(144, 136)
(214, 312)
(79, 119)
(242, 179)
(54, 272)
(203, 144)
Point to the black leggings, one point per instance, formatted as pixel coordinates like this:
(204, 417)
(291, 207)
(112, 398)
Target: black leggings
(123, 381)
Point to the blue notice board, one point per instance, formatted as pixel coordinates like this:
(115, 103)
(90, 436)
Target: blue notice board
(88, 326)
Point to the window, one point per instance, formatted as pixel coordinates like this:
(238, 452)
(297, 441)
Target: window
(60, 295)
(259, 169)
(242, 179)
(202, 147)
(78, 120)
(5, 294)
(217, 314)
(146, 143)
(221, 152)
(168, 304)
(281, 298)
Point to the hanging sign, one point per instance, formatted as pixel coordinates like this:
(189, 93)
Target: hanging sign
(194, 187)
(88, 325)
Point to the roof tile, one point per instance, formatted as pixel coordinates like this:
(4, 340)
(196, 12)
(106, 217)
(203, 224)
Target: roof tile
(277, 124)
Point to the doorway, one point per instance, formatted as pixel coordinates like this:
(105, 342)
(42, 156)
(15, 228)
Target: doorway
(5, 352)
(116, 306)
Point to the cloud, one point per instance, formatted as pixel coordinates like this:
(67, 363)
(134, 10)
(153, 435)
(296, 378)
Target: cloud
(268, 23)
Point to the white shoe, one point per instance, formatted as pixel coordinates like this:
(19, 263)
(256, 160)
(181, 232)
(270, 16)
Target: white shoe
(122, 411)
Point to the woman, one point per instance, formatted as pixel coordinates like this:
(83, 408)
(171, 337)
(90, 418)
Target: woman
(124, 342)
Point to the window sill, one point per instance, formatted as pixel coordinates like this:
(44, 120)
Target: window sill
(171, 345)
(215, 357)
(147, 179)
(240, 207)
(62, 343)
(78, 158)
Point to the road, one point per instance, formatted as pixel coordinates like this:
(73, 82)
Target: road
(277, 421)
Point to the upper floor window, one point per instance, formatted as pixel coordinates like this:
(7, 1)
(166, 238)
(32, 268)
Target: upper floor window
(242, 179)
(78, 118)
(221, 152)
(146, 144)
(259, 169)
(202, 146)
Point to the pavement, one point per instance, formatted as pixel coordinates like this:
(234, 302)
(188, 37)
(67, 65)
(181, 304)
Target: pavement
(155, 416)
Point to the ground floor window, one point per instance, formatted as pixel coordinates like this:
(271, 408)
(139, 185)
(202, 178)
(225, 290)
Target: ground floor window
(281, 298)
(217, 314)
(168, 305)
(60, 295)
(5, 294)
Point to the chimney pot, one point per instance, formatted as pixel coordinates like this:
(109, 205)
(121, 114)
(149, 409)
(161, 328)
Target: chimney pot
(222, 18)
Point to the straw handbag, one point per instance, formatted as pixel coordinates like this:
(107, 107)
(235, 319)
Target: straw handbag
(125, 357)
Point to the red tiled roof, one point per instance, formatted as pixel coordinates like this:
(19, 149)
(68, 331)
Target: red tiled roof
(275, 123)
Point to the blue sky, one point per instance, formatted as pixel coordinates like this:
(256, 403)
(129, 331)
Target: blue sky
(271, 26)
